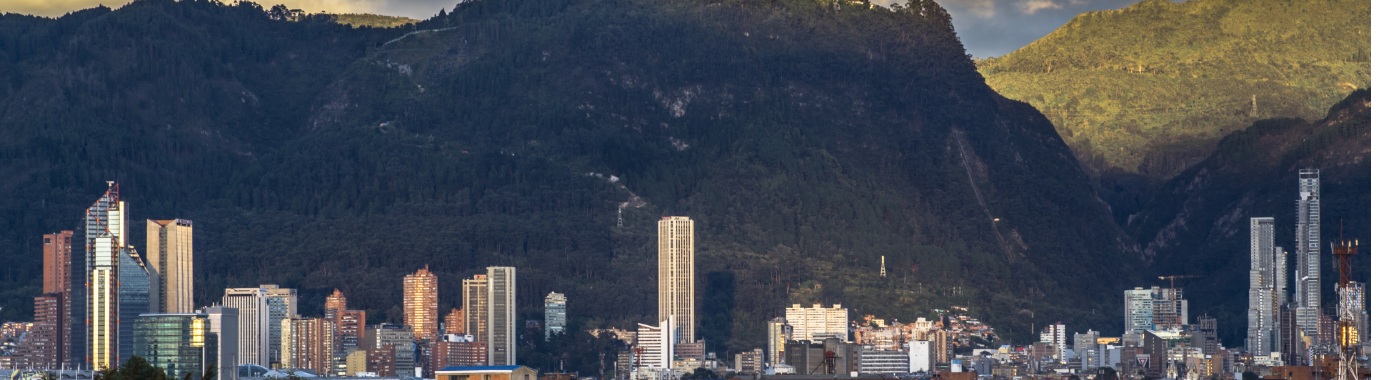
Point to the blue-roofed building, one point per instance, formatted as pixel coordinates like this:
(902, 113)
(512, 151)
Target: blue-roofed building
(500, 372)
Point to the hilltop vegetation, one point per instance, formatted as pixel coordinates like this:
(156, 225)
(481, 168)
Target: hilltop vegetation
(806, 139)
(358, 20)
(1150, 89)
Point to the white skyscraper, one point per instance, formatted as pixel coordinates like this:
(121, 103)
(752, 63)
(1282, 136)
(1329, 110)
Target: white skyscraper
(1307, 251)
(261, 311)
(501, 316)
(655, 345)
(676, 276)
(1261, 294)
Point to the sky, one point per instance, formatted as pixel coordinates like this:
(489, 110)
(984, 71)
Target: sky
(989, 28)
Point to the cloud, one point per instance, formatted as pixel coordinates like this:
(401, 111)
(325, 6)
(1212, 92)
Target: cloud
(1034, 6)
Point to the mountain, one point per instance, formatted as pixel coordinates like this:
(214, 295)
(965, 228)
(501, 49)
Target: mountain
(807, 141)
(1197, 224)
(1142, 93)
(359, 20)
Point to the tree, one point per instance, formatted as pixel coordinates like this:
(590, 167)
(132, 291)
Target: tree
(1106, 373)
(1249, 375)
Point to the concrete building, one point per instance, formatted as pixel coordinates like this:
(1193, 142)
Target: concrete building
(308, 343)
(556, 314)
(655, 345)
(1262, 299)
(1158, 344)
(43, 347)
(398, 343)
(336, 302)
(818, 323)
(475, 306)
(261, 312)
(170, 265)
(1086, 345)
(57, 279)
(223, 322)
(780, 332)
(920, 356)
(1308, 250)
(501, 316)
(883, 361)
(677, 276)
(420, 303)
(1054, 334)
(508, 372)
(105, 233)
(454, 322)
(457, 350)
(750, 362)
(1152, 309)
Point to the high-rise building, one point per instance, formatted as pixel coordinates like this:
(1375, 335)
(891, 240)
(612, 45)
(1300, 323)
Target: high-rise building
(261, 311)
(1054, 334)
(780, 332)
(454, 322)
(104, 242)
(57, 280)
(556, 314)
(655, 345)
(1151, 310)
(501, 316)
(57, 262)
(179, 344)
(223, 322)
(336, 302)
(750, 362)
(677, 275)
(475, 306)
(397, 343)
(1307, 252)
(281, 306)
(1086, 345)
(135, 284)
(420, 303)
(43, 346)
(169, 255)
(817, 323)
(308, 343)
(457, 350)
(920, 356)
(1261, 293)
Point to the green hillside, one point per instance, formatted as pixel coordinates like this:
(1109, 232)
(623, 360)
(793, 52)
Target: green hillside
(358, 20)
(807, 140)
(1150, 89)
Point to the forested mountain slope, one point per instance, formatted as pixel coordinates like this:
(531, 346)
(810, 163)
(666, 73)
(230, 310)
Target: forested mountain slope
(806, 140)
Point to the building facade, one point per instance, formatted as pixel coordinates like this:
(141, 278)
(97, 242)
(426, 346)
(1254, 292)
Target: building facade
(179, 344)
(1307, 253)
(454, 322)
(223, 322)
(252, 323)
(677, 276)
(818, 323)
(556, 314)
(105, 232)
(1262, 300)
(655, 346)
(780, 332)
(420, 303)
(475, 306)
(308, 343)
(501, 316)
(170, 265)
(134, 296)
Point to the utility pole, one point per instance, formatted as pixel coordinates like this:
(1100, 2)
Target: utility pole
(1254, 105)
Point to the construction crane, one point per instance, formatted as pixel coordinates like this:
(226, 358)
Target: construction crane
(1175, 311)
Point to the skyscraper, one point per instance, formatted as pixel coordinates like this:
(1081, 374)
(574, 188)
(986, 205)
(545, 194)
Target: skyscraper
(1307, 251)
(57, 280)
(501, 316)
(556, 314)
(676, 276)
(179, 344)
(169, 253)
(336, 302)
(475, 307)
(104, 242)
(1261, 296)
(134, 286)
(653, 345)
(308, 343)
(420, 303)
(454, 322)
(252, 323)
(223, 322)
(261, 312)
